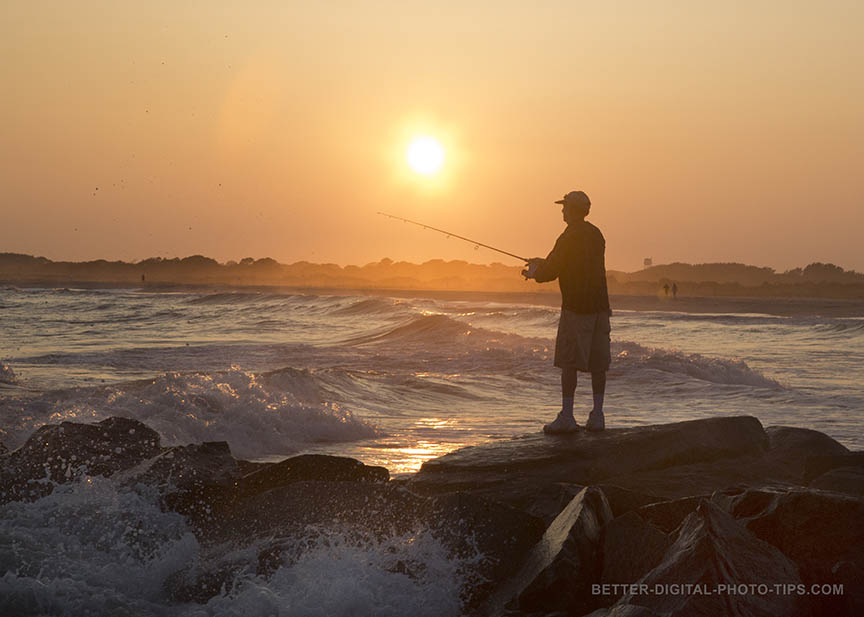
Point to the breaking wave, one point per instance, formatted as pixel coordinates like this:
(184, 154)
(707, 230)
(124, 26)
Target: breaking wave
(93, 548)
(436, 330)
(630, 356)
(253, 414)
(227, 298)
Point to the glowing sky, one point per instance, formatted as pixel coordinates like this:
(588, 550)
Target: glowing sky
(703, 131)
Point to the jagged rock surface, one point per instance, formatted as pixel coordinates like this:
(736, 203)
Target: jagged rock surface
(712, 549)
(717, 500)
(60, 453)
(557, 574)
(822, 532)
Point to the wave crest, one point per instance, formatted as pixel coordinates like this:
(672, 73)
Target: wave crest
(253, 414)
(631, 356)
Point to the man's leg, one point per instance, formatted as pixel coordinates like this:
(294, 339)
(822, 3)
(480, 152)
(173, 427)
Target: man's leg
(569, 378)
(565, 422)
(596, 420)
(598, 388)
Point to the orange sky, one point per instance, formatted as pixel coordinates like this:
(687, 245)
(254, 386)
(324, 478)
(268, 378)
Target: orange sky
(703, 131)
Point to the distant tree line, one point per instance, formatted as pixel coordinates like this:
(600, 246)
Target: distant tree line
(714, 279)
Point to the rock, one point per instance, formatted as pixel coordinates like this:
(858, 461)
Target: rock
(308, 467)
(509, 471)
(594, 456)
(818, 465)
(204, 482)
(632, 546)
(558, 572)
(545, 500)
(533, 540)
(668, 515)
(470, 526)
(59, 453)
(817, 530)
(791, 446)
(184, 467)
(622, 500)
(706, 477)
(849, 480)
(744, 503)
(191, 479)
(467, 526)
(713, 549)
(850, 576)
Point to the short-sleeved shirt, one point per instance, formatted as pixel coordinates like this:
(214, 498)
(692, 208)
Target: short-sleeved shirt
(578, 261)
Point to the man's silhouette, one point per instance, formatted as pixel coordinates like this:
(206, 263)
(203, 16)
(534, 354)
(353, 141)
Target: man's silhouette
(578, 262)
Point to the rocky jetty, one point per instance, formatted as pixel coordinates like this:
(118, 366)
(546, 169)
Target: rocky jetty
(717, 516)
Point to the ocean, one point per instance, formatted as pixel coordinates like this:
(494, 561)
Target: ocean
(392, 381)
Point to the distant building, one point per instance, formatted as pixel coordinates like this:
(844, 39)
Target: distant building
(647, 262)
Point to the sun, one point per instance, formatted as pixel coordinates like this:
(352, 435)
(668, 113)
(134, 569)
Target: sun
(425, 155)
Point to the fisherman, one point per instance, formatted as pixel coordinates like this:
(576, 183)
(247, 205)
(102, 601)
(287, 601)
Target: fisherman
(578, 262)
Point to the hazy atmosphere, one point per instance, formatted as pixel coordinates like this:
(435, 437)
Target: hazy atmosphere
(229, 386)
(702, 131)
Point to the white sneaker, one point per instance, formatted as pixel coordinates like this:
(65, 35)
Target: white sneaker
(562, 424)
(596, 421)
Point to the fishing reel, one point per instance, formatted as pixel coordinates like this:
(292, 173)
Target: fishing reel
(531, 267)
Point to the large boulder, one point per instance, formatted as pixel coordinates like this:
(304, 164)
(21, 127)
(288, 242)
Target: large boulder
(594, 456)
(622, 500)
(668, 515)
(704, 478)
(822, 532)
(632, 547)
(206, 483)
(710, 453)
(712, 559)
(817, 465)
(792, 446)
(184, 467)
(641, 465)
(308, 467)
(558, 572)
(492, 537)
(849, 480)
(190, 479)
(59, 453)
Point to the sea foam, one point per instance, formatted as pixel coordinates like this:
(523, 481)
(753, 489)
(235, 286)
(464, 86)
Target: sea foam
(629, 356)
(253, 414)
(95, 548)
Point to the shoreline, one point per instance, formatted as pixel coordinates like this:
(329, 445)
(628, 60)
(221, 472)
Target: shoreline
(778, 306)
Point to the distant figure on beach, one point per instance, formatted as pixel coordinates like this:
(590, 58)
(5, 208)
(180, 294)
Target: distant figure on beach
(666, 289)
(674, 290)
(578, 262)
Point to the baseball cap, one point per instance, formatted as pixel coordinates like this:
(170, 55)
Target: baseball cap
(575, 197)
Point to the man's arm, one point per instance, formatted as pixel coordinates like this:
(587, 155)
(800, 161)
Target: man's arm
(548, 269)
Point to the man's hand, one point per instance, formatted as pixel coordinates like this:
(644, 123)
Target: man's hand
(533, 264)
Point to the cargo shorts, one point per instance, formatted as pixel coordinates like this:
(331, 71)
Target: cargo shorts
(583, 341)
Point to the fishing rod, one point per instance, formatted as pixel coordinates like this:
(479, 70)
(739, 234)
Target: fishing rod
(449, 233)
